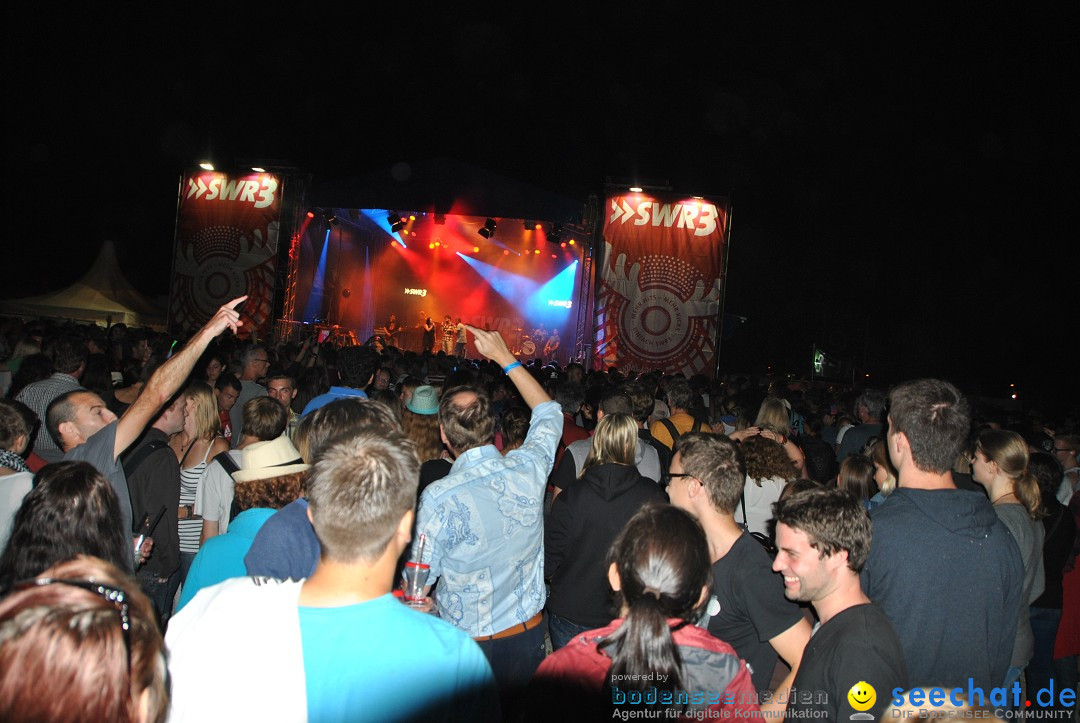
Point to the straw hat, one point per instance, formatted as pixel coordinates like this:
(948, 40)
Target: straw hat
(266, 460)
(425, 400)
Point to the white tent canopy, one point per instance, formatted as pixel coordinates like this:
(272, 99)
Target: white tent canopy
(102, 296)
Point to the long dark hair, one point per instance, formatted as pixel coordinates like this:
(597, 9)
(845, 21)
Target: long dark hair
(663, 563)
(72, 510)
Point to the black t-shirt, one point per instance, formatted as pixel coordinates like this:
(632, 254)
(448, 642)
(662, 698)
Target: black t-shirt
(753, 608)
(858, 645)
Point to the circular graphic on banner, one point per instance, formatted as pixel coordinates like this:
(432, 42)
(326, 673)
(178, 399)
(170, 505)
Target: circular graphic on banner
(664, 324)
(216, 282)
(659, 315)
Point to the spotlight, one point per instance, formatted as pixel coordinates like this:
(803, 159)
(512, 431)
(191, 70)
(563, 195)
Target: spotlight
(537, 252)
(431, 246)
(555, 234)
(506, 252)
(412, 217)
(258, 169)
(571, 242)
(206, 166)
(331, 218)
(488, 229)
(476, 249)
(396, 224)
(562, 245)
(539, 226)
(311, 213)
(635, 189)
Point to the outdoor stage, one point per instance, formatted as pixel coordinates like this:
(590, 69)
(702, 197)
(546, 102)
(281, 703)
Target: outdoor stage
(353, 271)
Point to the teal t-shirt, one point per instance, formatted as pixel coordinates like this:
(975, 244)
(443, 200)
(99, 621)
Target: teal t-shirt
(382, 661)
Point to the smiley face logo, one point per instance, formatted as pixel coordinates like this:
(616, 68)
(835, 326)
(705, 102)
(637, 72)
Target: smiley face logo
(862, 696)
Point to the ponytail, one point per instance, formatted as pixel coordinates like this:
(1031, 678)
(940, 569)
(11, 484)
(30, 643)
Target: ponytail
(1027, 491)
(643, 644)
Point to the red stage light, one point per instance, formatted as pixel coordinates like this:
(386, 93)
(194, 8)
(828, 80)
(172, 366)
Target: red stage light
(562, 245)
(311, 214)
(538, 227)
(506, 252)
(554, 256)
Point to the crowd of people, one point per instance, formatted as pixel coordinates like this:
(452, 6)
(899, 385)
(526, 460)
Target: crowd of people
(216, 529)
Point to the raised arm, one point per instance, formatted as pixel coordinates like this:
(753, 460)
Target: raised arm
(167, 379)
(492, 346)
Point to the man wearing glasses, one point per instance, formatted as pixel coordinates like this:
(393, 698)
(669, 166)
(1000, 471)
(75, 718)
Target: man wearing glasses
(1065, 449)
(748, 609)
(254, 364)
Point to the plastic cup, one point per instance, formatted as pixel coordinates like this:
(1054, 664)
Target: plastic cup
(415, 577)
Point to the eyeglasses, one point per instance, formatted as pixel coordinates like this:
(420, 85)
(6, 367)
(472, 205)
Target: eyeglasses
(667, 478)
(116, 596)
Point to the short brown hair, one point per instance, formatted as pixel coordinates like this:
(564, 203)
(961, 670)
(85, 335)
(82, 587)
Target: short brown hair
(264, 418)
(466, 426)
(12, 426)
(718, 463)
(64, 655)
(358, 492)
(273, 493)
(936, 419)
(832, 519)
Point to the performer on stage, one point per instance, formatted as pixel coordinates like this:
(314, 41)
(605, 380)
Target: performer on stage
(392, 330)
(448, 335)
(429, 336)
(459, 347)
(552, 345)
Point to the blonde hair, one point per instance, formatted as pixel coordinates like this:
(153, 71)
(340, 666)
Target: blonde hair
(880, 454)
(207, 422)
(774, 413)
(614, 442)
(1009, 452)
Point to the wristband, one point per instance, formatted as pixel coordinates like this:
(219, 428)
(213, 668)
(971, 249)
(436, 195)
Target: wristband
(509, 367)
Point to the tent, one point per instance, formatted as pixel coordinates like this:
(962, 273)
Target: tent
(102, 296)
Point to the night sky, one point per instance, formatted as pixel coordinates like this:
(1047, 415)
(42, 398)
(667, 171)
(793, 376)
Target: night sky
(903, 181)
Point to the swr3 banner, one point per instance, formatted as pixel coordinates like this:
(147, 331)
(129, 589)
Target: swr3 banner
(226, 246)
(658, 291)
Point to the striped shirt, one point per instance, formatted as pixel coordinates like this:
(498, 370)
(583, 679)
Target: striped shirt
(38, 396)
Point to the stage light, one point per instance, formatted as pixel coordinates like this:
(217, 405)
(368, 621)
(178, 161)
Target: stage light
(206, 166)
(331, 218)
(537, 251)
(554, 256)
(635, 189)
(412, 217)
(476, 249)
(571, 242)
(405, 232)
(563, 244)
(396, 224)
(431, 246)
(257, 169)
(539, 226)
(311, 213)
(506, 252)
(438, 243)
(488, 230)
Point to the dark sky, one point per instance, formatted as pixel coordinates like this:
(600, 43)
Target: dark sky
(903, 180)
